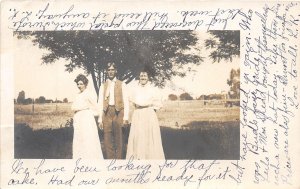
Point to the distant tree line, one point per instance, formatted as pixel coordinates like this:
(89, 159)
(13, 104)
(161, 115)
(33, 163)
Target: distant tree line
(212, 97)
(183, 96)
(187, 96)
(233, 93)
(40, 100)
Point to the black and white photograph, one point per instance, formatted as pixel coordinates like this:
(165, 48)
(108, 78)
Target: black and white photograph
(146, 95)
(149, 94)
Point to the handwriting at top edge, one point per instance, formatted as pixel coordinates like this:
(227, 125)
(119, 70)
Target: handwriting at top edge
(189, 19)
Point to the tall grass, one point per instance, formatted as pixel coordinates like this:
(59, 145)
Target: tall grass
(44, 116)
(214, 140)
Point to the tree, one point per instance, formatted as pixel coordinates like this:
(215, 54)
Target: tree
(58, 101)
(215, 97)
(28, 101)
(224, 45)
(234, 83)
(40, 100)
(21, 97)
(163, 51)
(185, 96)
(172, 97)
(65, 100)
(202, 97)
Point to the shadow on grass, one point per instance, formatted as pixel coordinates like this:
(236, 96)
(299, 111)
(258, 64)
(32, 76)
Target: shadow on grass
(43, 144)
(202, 140)
(199, 140)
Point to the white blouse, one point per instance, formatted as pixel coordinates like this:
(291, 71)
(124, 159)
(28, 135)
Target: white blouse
(145, 96)
(85, 100)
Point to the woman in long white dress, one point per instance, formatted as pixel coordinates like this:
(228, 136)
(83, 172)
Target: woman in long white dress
(86, 142)
(144, 140)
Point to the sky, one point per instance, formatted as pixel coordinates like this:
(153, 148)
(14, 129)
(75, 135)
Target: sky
(53, 82)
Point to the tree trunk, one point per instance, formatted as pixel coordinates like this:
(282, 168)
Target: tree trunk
(95, 83)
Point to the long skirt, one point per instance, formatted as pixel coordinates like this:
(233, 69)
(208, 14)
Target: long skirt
(144, 140)
(86, 142)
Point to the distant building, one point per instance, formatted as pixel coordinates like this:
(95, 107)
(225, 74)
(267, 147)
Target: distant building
(49, 101)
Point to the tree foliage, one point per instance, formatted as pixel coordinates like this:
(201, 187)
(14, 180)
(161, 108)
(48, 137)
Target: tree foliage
(211, 97)
(28, 101)
(40, 100)
(163, 51)
(172, 97)
(21, 97)
(185, 96)
(234, 83)
(224, 45)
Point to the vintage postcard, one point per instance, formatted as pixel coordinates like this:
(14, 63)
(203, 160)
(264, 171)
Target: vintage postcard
(140, 94)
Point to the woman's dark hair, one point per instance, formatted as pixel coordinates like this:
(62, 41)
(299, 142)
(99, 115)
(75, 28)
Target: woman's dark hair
(82, 78)
(150, 72)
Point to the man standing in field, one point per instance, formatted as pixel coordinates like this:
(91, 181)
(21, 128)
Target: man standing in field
(114, 110)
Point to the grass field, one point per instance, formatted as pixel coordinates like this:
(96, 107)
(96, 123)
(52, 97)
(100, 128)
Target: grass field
(189, 130)
(44, 116)
(175, 114)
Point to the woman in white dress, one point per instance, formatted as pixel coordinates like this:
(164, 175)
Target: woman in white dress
(144, 140)
(86, 142)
